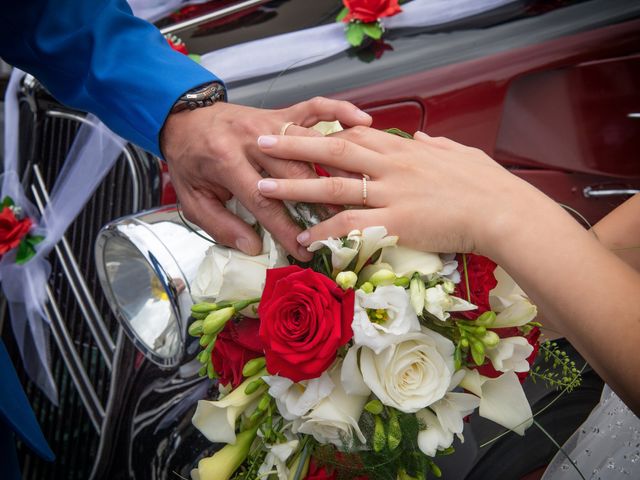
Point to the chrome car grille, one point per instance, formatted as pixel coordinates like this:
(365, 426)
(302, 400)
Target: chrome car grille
(84, 331)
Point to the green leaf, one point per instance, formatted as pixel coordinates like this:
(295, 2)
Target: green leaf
(25, 252)
(355, 34)
(7, 202)
(34, 240)
(342, 14)
(373, 30)
(398, 132)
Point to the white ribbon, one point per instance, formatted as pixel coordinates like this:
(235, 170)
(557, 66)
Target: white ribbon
(96, 148)
(91, 156)
(296, 49)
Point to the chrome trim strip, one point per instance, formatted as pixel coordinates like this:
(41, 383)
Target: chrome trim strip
(223, 12)
(73, 362)
(135, 194)
(77, 282)
(591, 192)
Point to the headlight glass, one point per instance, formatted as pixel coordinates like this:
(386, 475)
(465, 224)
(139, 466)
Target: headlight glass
(144, 263)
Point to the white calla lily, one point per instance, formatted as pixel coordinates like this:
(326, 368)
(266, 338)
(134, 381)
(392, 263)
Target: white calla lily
(406, 261)
(502, 399)
(439, 303)
(216, 420)
(517, 314)
(510, 354)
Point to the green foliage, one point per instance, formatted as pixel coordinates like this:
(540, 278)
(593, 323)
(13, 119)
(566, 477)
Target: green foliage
(400, 133)
(343, 13)
(355, 33)
(558, 371)
(394, 436)
(27, 248)
(6, 202)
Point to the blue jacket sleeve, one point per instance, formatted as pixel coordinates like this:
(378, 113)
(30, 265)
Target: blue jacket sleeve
(96, 56)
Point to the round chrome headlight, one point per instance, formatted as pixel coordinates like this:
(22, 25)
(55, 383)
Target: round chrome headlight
(145, 262)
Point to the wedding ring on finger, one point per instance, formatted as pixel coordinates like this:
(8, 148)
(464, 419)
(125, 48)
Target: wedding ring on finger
(365, 177)
(283, 130)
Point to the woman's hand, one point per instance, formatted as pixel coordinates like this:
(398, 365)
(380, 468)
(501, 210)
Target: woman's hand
(434, 193)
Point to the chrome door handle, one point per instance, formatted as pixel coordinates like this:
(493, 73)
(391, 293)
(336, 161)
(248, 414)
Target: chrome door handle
(591, 192)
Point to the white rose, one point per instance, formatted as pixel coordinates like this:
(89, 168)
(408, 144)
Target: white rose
(510, 354)
(406, 261)
(227, 274)
(335, 419)
(296, 399)
(398, 317)
(439, 303)
(411, 374)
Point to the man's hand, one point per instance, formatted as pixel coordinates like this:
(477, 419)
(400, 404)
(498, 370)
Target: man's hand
(213, 155)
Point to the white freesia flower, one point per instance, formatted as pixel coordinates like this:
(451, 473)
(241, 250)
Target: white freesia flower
(511, 304)
(510, 354)
(368, 271)
(439, 303)
(449, 267)
(454, 406)
(517, 314)
(397, 317)
(433, 437)
(296, 399)
(372, 240)
(417, 295)
(406, 261)
(228, 274)
(502, 399)
(342, 253)
(277, 457)
(216, 420)
(335, 419)
(411, 374)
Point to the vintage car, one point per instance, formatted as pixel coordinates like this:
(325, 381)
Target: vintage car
(547, 88)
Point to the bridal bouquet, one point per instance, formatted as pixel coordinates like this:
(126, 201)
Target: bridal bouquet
(363, 363)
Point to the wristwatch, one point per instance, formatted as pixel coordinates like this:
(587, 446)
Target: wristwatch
(201, 96)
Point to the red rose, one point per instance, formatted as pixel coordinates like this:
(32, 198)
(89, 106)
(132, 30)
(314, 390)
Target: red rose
(532, 337)
(235, 346)
(317, 472)
(304, 319)
(12, 230)
(481, 280)
(368, 11)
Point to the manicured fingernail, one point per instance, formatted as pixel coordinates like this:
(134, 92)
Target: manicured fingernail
(420, 134)
(266, 185)
(267, 140)
(243, 245)
(363, 115)
(303, 238)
